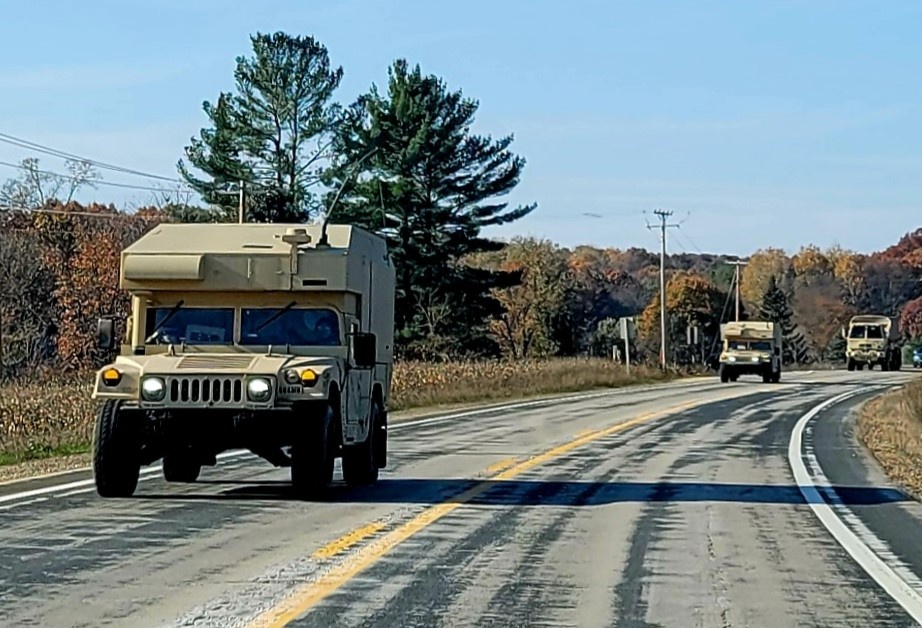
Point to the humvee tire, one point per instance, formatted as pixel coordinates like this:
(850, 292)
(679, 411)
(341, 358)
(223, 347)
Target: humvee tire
(116, 466)
(180, 468)
(360, 466)
(314, 452)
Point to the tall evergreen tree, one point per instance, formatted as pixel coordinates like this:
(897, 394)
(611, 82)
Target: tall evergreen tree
(272, 134)
(429, 185)
(775, 308)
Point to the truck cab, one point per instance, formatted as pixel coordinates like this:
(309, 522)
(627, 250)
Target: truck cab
(268, 337)
(873, 340)
(750, 348)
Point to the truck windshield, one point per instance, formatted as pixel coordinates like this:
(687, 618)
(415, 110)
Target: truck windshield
(191, 325)
(867, 331)
(295, 326)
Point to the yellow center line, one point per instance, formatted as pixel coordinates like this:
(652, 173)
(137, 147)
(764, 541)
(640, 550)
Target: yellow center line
(582, 433)
(309, 595)
(501, 465)
(345, 542)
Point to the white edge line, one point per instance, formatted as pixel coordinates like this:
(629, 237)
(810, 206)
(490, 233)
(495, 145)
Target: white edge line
(873, 565)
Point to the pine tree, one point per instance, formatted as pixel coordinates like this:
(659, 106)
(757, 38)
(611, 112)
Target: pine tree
(775, 308)
(411, 170)
(271, 134)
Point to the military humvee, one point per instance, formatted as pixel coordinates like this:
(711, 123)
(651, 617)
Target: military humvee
(276, 338)
(750, 348)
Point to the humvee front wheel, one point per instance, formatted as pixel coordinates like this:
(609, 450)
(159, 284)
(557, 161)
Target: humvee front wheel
(180, 468)
(360, 466)
(116, 466)
(313, 454)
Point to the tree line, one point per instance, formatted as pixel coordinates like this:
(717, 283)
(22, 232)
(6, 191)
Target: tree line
(403, 161)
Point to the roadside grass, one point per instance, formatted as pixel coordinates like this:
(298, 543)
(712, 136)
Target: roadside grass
(890, 426)
(54, 418)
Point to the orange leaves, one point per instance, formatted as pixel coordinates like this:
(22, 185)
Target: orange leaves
(756, 274)
(911, 319)
(689, 297)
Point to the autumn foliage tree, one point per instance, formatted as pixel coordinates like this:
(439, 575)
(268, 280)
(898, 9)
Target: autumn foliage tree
(534, 309)
(911, 319)
(691, 299)
(761, 267)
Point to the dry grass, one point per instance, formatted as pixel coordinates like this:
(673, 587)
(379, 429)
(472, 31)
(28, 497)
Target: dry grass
(891, 427)
(56, 417)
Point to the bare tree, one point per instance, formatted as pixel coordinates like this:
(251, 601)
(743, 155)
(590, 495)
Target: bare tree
(36, 187)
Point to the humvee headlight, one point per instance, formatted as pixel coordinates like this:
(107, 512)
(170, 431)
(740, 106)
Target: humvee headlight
(756, 358)
(259, 390)
(111, 377)
(292, 376)
(732, 358)
(153, 389)
(308, 377)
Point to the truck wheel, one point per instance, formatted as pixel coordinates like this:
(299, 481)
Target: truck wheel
(313, 454)
(359, 464)
(850, 365)
(724, 375)
(776, 377)
(116, 466)
(767, 378)
(860, 366)
(180, 468)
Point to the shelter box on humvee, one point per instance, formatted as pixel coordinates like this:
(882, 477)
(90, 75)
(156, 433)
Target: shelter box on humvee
(268, 337)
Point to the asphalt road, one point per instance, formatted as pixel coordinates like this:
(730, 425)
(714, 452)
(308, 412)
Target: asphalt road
(677, 505)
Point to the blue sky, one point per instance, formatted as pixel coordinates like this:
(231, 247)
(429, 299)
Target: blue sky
(772, 123)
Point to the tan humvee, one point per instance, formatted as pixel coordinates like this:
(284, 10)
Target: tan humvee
(255, 336)
(750, 348)
(873, 339)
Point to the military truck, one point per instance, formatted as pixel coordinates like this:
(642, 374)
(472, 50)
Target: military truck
(750, 348)
(276, 338)
(873, 339)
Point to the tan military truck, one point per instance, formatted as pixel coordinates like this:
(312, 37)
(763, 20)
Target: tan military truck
(873, 339)
(750, 348)
(269, 337)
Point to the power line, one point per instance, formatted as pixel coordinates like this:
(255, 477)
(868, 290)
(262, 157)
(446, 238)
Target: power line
(21, 143)
(63, 212)
(94, 182)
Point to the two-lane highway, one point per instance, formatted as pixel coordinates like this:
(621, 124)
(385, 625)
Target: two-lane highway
(677, 505)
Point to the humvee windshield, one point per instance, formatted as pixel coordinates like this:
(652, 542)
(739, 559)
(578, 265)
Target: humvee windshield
(191, 325)
(295, 326)
(258, 326)
(755, 345)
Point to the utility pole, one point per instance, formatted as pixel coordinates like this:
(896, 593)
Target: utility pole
(663, 215)
(242, 209)
(736, 280)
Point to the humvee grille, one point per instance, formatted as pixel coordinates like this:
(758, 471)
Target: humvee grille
(215, 362)
(206, 390)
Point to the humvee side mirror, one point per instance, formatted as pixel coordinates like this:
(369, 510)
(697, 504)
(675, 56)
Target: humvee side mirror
(105, 333)
(842, 332)
(364, 350)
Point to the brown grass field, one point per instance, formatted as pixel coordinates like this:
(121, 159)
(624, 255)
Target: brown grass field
(890, 426)
(54, 417)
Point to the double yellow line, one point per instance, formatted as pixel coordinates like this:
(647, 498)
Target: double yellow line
(308, 596)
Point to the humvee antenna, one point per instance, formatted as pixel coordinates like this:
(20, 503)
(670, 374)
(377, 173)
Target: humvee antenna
(355, 168)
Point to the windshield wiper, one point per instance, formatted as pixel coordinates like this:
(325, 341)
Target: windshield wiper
(274, 317)
(166, 319)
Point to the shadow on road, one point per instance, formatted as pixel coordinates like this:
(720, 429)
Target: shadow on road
(548, 493)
